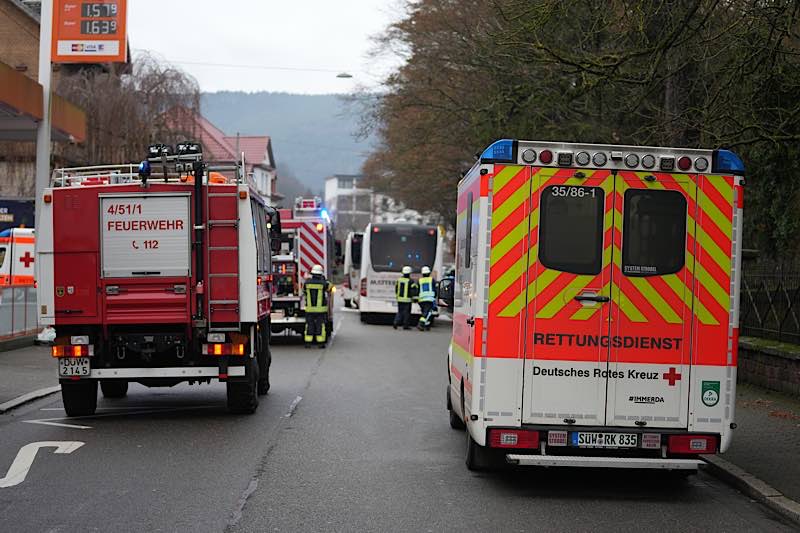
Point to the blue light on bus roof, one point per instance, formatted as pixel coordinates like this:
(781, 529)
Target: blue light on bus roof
(725, 161)
(501, 151)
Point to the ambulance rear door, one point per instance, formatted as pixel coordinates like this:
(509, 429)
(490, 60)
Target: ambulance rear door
(651, 311)
(568, 292)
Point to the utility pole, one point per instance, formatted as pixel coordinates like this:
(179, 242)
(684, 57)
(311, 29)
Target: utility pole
(43, 131)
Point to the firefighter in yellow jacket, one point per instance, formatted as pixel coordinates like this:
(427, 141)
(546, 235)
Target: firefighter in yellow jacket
(316, 290)
(405, 291)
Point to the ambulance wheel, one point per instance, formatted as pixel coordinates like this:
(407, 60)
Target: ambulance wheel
(114, 388)
(478, 457)
(455, 421)
(365, 318)
(80, 397)
(243, 395)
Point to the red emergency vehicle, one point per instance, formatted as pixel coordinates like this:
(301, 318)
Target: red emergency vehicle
(596, 305)
(306, 240)
(157, 275)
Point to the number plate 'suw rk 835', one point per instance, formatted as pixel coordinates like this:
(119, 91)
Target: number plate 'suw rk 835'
(604, 440)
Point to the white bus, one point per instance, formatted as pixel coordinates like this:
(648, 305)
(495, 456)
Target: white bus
(386, 249)
(352, 268)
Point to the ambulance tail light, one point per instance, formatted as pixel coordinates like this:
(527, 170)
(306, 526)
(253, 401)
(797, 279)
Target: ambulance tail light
(684, 163)
(726, 162)
(502, 151)
(546, 157)
(513, 438)
(691, 444)
(364, 287)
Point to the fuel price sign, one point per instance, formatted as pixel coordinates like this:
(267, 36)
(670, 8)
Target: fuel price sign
(89, 32)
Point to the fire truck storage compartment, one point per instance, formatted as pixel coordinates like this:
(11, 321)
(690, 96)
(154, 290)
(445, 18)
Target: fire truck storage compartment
(76, 285)
(146, 301)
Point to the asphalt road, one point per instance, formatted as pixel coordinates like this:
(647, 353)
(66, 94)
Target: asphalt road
(352, 438)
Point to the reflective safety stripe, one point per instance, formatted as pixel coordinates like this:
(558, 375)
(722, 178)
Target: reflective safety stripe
(426, 292)
(401, 290)
(315, 297)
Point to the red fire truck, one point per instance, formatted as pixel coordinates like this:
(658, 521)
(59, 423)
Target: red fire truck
(157, 275)
(306, 241)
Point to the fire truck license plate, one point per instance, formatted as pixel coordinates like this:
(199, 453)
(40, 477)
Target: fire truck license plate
(604, 440)
(74, 366)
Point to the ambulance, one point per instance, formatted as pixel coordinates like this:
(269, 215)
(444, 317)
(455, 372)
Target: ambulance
(157, 275)
(17, 257)
(596, 305)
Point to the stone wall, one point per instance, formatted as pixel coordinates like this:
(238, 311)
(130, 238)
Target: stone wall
(770, 364)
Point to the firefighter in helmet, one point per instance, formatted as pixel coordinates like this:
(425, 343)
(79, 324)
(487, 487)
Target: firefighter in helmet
(316, 290)
(427, 298)
(405, 291)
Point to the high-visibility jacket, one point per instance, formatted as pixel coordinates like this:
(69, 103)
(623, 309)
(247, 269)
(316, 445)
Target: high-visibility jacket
(316, 291)
(403, 290)
(427, 289)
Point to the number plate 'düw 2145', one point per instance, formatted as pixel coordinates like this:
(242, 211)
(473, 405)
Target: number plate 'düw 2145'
(604, 440)
(74, 366)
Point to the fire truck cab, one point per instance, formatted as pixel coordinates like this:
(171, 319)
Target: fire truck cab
(596, 305)
(306, 240)
(158, 275)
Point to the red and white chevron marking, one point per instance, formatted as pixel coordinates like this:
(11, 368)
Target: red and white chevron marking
(312, 248)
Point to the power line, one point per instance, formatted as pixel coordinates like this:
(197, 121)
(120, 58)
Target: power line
(259, 67)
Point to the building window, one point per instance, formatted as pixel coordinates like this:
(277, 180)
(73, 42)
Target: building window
(346, 183)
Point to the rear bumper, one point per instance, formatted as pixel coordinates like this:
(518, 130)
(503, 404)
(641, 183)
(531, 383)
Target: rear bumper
(176, 372)
(603, 462)
(287, 321)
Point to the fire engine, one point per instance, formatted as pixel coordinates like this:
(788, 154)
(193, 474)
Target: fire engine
(596, 305)
(158, 275)
(17, 257)
(306, 241)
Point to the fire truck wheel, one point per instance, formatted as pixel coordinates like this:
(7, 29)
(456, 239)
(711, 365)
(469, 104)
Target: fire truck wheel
(80, 398)
(114, 388)
(243, 395)
(264, 361)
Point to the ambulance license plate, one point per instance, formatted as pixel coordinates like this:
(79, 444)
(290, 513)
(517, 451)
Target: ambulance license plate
(604, 440)
(74, 366)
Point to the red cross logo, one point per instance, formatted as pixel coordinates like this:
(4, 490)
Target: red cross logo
(672, 376)
(27, 259)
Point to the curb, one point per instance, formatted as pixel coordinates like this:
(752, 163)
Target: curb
(757, 489)
(25, 398)
(14, 343)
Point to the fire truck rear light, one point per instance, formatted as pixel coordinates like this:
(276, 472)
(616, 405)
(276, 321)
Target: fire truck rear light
(556, 438)
(667, 164)
(692, 444)
(684, 163)
(242, 195)
(48, 198)
(217, 349)
(546, 157)
(216, 337)
(79, 339)
(582, 158)
(648, 161)
(529, 156)
(320, 226)
(599, 159)
(238, 349)
(513, 438)
(57, 351)
(68, 350)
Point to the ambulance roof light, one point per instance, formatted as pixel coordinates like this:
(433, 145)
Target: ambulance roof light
(502, 151)
(725, 161)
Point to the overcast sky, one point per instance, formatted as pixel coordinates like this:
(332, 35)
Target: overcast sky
(312, 39)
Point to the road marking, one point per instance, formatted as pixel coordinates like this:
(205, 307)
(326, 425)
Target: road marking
(293, 407)
(19, 469)
(118, 411)
(50, 422)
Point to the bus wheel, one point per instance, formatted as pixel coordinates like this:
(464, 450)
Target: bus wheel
(114, 388)
(243, 395)
(348, 303)
(366, 318)
(80, 397)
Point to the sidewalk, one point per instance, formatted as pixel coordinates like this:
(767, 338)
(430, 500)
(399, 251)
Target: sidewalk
(25, 370)
(766, 442)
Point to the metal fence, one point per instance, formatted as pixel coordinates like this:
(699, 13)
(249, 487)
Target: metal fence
(770, 304)
(17, 312)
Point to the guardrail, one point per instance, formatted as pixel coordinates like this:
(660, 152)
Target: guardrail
(18, 312)
(770, 305)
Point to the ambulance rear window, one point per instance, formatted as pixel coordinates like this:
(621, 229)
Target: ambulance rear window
(653, 232)
(571, 229)
(2, 255)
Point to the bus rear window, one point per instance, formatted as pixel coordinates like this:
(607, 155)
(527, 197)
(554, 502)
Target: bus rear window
(355, 249)
(393, 246)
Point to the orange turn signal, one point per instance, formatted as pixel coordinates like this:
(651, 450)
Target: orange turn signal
(48, 198)
(243, 195)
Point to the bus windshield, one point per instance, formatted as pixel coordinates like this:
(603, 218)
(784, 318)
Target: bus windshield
(393, 246)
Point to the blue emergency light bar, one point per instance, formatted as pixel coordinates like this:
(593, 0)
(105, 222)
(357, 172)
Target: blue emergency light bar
(726, 162)
(502, 151)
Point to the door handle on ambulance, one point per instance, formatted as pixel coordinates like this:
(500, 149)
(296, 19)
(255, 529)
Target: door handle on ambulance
(592, 298)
